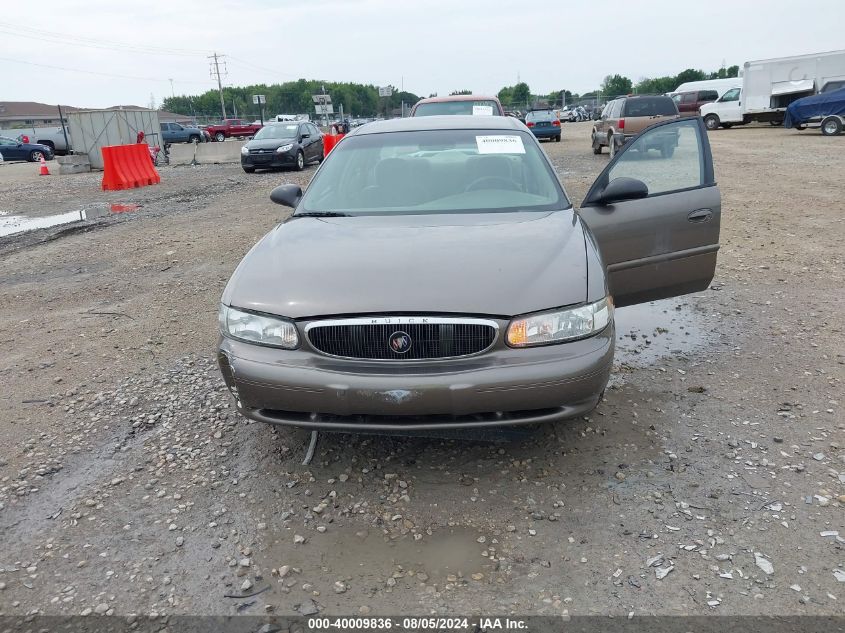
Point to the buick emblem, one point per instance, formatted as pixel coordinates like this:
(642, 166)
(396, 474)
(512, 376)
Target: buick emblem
(400, 342)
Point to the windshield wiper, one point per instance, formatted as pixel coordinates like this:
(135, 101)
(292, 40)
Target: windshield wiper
(321, 214)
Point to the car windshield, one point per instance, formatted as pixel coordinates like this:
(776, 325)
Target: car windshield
(436, 108)
(650, 106)
(277, 131)
(435, 171)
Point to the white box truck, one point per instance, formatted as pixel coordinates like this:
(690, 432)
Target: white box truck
(769, 85)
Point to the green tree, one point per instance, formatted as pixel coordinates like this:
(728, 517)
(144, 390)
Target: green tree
(733, 71)
(690, 74)
(615, 85)
(655, 85)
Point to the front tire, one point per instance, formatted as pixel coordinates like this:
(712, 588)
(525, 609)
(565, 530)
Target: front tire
(711, 122)
(300, 161)
(220, 137)
(35, 156)
(831, 126)
(249, 170)
(193, 139)
(557, 138)
(596, 144)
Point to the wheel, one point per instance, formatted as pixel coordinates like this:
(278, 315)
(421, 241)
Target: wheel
(596, 145)
(35, 156)
(711, 122)
(193, 138)
(776, 123)
(801, 126)
(667, 151)
(557, 138)
(832, 126)
(220, 137)
(300, 161)
(249, 170)
(611, 147)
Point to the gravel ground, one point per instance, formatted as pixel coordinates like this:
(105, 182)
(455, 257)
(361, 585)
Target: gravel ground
(711, 480)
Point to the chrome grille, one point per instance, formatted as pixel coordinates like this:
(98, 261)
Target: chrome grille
(402, 338)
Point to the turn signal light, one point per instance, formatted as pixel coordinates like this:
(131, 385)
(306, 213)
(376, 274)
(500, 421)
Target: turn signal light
(556, 123)
(518, 333)
(621, 125)
(530, 124)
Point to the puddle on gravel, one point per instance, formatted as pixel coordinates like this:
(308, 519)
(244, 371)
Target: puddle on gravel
(14, 224)
(650, 331)
(344, 552)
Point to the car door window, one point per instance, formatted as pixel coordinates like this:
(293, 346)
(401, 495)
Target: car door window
(731, 95)
(665, 158)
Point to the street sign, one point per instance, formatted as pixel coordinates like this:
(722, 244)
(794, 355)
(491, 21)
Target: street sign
(385, 91)
(322, 110)
(259, 99)
(321, 99)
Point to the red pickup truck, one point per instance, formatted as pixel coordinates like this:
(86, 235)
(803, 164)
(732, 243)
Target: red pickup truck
(229, 128)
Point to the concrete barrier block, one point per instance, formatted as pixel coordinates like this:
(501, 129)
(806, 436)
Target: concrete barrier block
(182, 153)
(225, 152)
(73, 164)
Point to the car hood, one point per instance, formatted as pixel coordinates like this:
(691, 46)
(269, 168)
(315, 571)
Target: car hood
(497, 264)
(270, 143)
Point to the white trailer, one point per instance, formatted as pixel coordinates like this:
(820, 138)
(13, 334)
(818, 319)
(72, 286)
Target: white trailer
(769, 85)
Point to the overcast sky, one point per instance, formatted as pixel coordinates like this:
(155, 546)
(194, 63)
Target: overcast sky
(427, 45)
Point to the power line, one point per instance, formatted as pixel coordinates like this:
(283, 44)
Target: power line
(72, 40)
(262, 68)
(95, 72)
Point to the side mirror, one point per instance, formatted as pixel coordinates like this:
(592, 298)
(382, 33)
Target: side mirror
(623, 188)
(287, 195)
(305, 135)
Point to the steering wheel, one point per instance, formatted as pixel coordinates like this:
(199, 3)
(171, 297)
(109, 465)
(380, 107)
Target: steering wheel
(492, 182)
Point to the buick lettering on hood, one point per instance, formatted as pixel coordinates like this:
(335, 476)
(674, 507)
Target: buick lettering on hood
(435, 275)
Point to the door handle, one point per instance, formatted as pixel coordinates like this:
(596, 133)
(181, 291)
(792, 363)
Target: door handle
(700, 215)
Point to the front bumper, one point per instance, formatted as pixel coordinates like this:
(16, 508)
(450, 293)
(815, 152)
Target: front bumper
(501, 387)
(269, 160)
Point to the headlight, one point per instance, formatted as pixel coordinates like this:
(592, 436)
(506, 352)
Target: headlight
(284, 148)
(254, 328)
(244, 150)
(560, 325)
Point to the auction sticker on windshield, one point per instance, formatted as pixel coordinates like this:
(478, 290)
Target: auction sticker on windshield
(482, 110)
(499, 144)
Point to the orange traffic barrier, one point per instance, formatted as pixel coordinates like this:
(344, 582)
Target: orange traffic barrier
(329, 141)
(43, 171)
(128, 166)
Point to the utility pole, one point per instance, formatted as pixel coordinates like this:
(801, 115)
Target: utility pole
(172, 90)
(215, 73)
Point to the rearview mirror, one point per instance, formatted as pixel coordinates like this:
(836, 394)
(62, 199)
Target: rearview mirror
(305, 135)
(623, 188)
(286, 195)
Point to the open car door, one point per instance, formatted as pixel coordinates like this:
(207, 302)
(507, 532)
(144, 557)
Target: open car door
(655, 212)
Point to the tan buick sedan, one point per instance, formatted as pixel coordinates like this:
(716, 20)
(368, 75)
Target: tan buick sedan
(435, 275)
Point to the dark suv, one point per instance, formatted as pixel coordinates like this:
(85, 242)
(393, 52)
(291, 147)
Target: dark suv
(689, 102)
(622, 119)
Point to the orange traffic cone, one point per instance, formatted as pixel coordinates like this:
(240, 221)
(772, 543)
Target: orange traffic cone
(44, 171)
